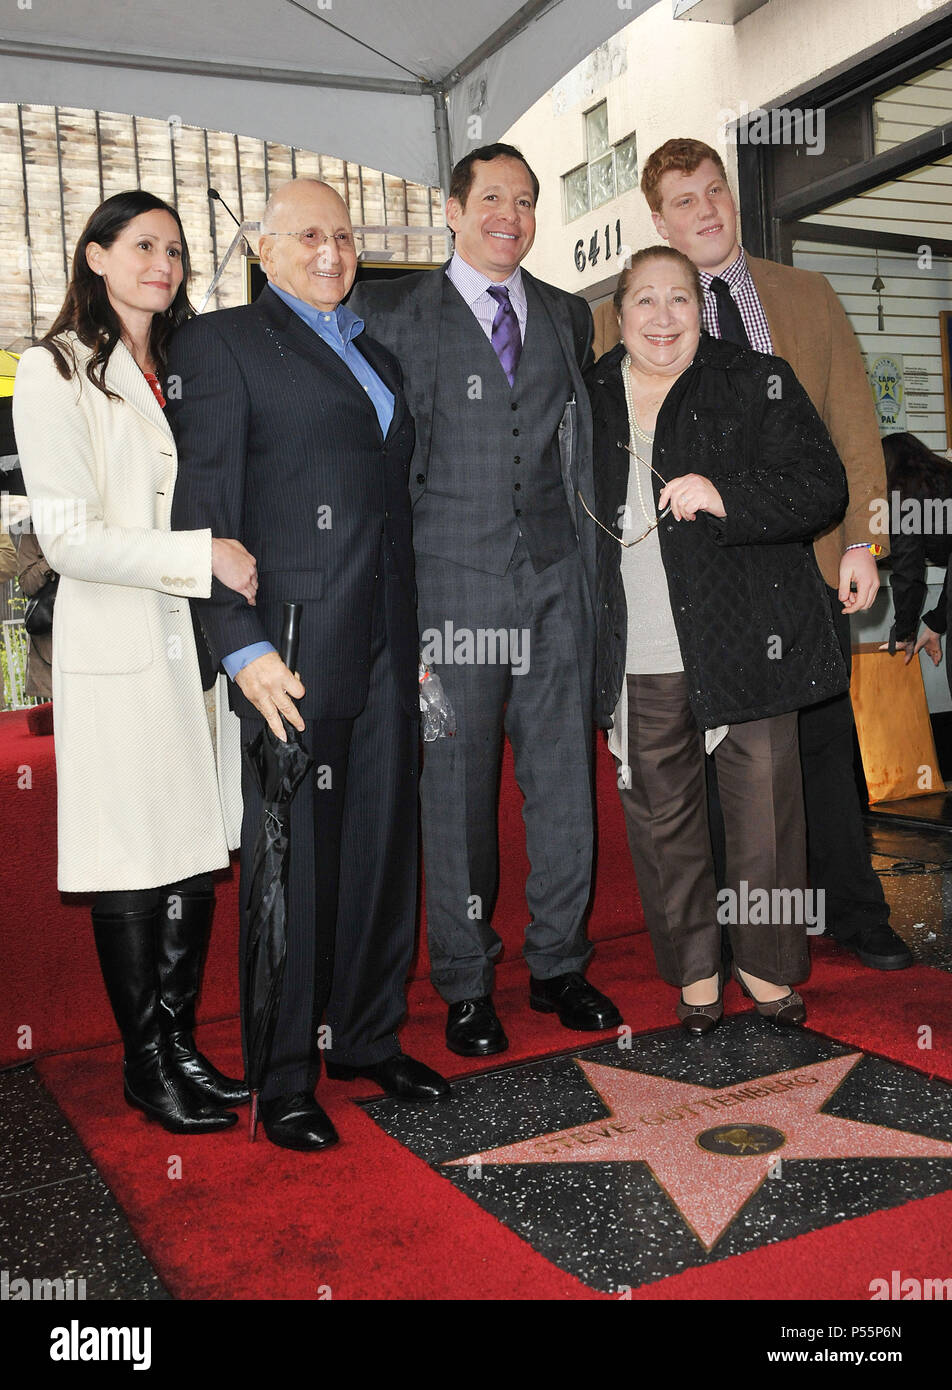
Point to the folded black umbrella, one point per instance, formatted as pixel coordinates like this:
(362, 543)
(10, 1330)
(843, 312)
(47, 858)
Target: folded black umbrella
(279, 769)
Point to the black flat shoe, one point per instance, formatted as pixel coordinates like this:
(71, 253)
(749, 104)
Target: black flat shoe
(400, 1076)
(473, 1029)
(578, 1004)
(297, 1122)
(702, 1018)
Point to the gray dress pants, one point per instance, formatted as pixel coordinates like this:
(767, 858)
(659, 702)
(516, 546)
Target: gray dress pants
(537, 687)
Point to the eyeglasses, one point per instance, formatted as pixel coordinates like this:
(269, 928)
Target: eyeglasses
(311, 237)
(628, 544)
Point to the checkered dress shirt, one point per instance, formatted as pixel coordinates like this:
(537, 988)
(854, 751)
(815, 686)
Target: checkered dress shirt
(737, 277)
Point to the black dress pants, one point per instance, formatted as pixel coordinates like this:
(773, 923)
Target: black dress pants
(837, 853)
(351, 887)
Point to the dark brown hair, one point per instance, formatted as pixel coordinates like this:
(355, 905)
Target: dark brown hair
(464, 173)
(658, 253)
(912, 467)
(86, 309)
(682, 156)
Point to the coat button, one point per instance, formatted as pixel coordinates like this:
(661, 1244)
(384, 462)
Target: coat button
(517, 487)
(421, 477)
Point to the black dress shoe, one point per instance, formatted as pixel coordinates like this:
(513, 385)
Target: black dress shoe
(400, 1076)
(473, 1030)
(879, 947)
(297, 1122)
(578, 1004)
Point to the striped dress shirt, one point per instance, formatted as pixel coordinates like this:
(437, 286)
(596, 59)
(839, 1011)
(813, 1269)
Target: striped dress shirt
(473, 285)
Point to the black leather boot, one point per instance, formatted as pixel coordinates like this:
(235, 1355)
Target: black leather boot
(125, 943)
(181, 940)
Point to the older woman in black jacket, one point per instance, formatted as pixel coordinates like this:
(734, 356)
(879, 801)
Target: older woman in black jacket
(713, 472)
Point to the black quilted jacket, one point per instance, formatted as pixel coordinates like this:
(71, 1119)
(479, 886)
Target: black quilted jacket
(748, 600)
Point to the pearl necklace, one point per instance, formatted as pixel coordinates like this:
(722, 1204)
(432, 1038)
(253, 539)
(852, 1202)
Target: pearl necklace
(635, 433)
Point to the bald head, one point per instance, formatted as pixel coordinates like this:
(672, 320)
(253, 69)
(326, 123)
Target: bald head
(307, 243)
(297, 194)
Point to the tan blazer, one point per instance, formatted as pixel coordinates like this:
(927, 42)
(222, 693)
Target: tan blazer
(139, 799)
(810, 330)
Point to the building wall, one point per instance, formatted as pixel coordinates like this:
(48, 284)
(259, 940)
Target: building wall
(664, 77)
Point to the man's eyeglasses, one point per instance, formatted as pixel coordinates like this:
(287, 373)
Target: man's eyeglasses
(312, 237)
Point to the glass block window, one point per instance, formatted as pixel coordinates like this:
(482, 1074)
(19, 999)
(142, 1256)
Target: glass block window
(626, 165)
(596, 132)
(608, 171)
(575, 193)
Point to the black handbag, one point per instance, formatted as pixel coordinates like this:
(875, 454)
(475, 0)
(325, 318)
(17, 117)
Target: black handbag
(38, 615)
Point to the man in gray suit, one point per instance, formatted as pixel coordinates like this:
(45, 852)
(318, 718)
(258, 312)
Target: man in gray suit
(492, 361)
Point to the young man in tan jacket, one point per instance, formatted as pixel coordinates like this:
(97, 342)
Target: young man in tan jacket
(795, 314)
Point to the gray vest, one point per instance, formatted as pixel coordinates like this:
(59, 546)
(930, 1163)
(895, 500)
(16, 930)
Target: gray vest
(494, 467)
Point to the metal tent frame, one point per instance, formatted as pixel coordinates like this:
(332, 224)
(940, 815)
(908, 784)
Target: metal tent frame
(556, 46)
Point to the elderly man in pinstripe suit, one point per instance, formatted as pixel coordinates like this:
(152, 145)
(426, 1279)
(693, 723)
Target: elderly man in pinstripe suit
(291, 422)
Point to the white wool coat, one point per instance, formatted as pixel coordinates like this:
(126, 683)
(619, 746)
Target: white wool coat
(144, 798)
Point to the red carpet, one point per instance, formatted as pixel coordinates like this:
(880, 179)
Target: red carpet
(51, 977)
(368, 1220)
(371, 1221)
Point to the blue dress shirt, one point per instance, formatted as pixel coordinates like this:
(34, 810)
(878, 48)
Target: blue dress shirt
(337, 328)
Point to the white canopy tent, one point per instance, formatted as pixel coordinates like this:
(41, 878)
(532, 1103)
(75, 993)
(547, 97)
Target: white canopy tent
(406, 86)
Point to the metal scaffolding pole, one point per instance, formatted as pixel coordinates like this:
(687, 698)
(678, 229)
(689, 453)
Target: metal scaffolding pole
(444, 150)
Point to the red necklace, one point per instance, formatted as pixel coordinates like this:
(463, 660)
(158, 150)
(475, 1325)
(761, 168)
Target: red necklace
(153, 381)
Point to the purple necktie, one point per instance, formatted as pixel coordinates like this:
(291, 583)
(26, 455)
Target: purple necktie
(507, 340)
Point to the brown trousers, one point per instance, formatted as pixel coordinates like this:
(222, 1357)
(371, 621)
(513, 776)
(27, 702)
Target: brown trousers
(758, 773)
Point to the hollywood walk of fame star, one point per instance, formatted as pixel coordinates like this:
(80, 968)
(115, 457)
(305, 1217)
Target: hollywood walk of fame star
(710, 1170)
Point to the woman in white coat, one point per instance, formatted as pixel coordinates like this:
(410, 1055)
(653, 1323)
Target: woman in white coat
(145, 808)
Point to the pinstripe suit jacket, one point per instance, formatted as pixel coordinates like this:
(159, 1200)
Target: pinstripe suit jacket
(405, 314)
(280, 447)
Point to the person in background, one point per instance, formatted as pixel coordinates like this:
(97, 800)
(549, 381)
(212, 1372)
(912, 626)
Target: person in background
(713, 627)
(796, 315)
(8, 558)
(144, 813)
(915, 474)
(33, 571)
